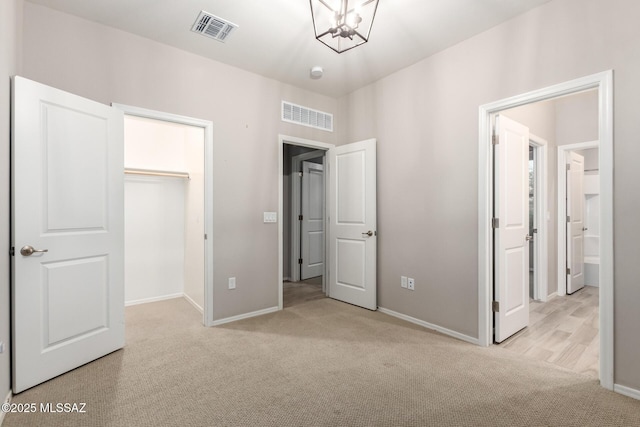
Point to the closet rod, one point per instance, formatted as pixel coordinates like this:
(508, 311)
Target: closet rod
(151, 172)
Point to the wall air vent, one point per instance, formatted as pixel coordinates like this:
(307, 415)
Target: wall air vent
(297, 114)
(211, 26)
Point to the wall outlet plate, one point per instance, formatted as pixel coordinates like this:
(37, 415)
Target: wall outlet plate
(411, 284)
(403, 281)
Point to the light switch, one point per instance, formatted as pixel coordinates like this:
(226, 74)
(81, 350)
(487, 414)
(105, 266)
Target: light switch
(270, 217)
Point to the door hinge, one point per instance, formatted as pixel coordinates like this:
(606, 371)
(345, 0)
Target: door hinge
(300, 217)
(495, 222)
(568, 218)
(205, 236)
(568, 271)
(12, 251)
(495, 305)
(299, 260)
(495, 140)
(568, 166)
(300, 173)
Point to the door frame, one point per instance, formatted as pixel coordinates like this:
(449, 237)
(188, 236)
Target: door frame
(603, 82)
(292, 140)
(296, 162)
(540, 241)
(207, 126)
(563, 151)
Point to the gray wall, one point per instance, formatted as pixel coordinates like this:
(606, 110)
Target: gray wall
(109, 65)
(426, 120)
(10, 46)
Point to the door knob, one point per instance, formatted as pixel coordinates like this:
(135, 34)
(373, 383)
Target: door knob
(528, 237)
(368, 233)
(29, 250)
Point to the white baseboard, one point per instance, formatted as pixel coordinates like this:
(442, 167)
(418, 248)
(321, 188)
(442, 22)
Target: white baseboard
(193, 303)
(6, 400)
(431, 326)
(245, 316)
(627, 391)
(152, 299)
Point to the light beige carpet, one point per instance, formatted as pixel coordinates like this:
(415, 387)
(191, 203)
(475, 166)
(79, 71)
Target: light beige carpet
(321, 363)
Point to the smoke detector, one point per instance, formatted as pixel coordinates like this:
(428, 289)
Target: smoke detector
(316, 72)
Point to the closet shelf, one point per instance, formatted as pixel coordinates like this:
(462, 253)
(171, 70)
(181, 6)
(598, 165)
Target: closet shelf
(153, 172)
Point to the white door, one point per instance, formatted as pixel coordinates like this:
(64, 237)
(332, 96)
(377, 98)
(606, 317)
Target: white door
(352, 223)
(67, 204)
(312, 224)
(511, 197)
(575, 222)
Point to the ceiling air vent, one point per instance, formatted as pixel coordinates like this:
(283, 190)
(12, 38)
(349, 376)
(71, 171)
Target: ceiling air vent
(211, 26)
(293, 113)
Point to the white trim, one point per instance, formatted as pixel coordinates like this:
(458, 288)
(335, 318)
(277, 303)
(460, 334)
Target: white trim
(604, 83)
(292, 140)
(245, 316)
(193, 303)
(561, 191)
(428, 325)
(6, 400)
(541, 247)
(207, 125)
(552, 296)
(296, 161)
(627, 391)
(152, 299)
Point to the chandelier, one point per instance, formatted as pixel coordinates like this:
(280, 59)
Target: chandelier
(343, 24)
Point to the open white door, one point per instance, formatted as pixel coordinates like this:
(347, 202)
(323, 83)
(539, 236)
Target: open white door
(575, 222)
(312, 233)
(511, 258)
(352, 223)
(67, 232)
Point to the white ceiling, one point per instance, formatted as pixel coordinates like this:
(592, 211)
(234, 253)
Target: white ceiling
(275, 38)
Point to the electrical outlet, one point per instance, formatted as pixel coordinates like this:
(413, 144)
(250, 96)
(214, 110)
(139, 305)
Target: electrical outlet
(232, 282)
(411, 284)
(403, 281)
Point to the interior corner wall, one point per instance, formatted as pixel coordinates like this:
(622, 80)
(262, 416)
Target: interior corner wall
(109, 65)
(426, 120)
(10, 50)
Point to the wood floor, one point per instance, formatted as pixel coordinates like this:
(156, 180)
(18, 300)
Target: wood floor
(563, 331)
(294, 293)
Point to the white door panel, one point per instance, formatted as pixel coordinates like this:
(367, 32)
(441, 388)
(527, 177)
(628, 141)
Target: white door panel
(575, 225)
(312, 234)
(352, 219)
(511, 289)
(67, 198)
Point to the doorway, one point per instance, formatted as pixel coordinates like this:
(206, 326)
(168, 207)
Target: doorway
(168, 187)
(303, 224)
(603, 84)
(589, 233)
(351, 234)
(538, 208)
